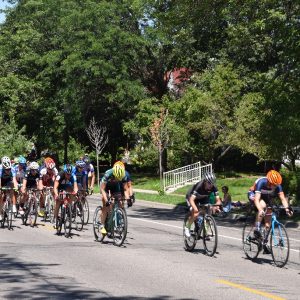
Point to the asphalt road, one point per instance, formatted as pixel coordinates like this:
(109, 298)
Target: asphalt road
(37, 264)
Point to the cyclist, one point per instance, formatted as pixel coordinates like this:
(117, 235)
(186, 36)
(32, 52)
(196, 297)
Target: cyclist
(64, 181)
(80, 175)
(47, 177)
(128, 180)
(30, 180)
(261, 194)
(112, 182)
(20, 169)
(90, 174)
(200, 193)
(7, 179)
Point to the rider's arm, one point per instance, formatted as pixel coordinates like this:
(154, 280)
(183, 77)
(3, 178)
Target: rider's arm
(93, 180)
(218, 200)
(192, 202)
(55, 188)
(15, 182)
(257, 202)
(285, 203)
(75, 187)
(103, 192)
(24, 185)
(40, 185)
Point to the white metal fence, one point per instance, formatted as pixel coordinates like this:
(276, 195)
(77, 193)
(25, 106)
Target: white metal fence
(184, 175)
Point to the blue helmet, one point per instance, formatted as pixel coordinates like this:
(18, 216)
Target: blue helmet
(68, 169)
(22, 160)
(80, 163)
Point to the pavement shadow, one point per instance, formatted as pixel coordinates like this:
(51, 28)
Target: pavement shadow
(159, 213)
(30, 281)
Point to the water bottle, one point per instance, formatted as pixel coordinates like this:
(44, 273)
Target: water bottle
(199, 220)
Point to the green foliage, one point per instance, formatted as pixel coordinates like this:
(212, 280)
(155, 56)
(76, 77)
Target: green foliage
(75, 150)
(13, 142)
(291, 184)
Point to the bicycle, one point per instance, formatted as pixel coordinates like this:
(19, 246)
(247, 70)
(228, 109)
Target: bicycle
(31, 208)
(206, 230)
(49, 204)
(276, 236)
(64, 217)
(7, 207)
(85, 206)
(115, 223)
(77, 214)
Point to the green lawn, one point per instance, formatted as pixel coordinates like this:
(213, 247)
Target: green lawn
(238, 186)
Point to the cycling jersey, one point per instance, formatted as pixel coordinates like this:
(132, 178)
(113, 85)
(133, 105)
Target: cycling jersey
(48, 176)
(113, 185)
(64, 182)
(201, 193)
(32, 179)
(80, 176)
(6, 176)
(267, 191)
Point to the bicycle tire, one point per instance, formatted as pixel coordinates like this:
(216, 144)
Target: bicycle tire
(251, 245)
(280, 241)
(32, 213)
(86, 210)
(78, 215)
(210, 235)
(46, 204)
(189, 243)
(9, 215)
(120, 227)
(67, 221)
(99, 237)
(59, 219)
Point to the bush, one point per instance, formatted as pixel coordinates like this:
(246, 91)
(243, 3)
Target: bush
(291, 184)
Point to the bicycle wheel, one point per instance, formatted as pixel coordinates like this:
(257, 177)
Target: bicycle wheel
(96, 225)
(67, 220)
(210, 235)
(251, 245)
(120, 227)
(280, 245)
(78, 215)
(86, 210)
(60, 219)
(9, 215)
(47, 208)
(189, 242)
(32, 213)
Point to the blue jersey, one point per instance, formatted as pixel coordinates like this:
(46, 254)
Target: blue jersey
(80, 175)
(64, 182)
(7, 175)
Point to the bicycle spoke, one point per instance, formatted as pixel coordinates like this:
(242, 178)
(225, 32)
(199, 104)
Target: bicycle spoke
(189, 242)
(279, 245)
(251, 245)
(210, 235)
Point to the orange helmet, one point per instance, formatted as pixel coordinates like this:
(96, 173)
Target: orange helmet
(49, 162)
(274, 177)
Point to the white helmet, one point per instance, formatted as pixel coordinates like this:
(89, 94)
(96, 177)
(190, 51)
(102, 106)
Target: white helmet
(6, 163)
(34, 166)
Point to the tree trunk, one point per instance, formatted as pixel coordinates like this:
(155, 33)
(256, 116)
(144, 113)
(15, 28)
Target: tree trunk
(98, 179)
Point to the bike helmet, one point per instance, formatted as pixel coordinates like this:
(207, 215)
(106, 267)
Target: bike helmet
(34, 166)
(68, 169)
(22, 160)
(118, 170)
(6, 163)
(16, 160)
(49, 163)
(209, 177)
(80, 163)
(274, 177)
(86, 159)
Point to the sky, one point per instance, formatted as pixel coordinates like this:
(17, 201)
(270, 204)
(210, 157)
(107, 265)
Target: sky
(3, 4)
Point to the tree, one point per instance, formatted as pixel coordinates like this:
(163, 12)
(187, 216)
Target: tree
(99, 139)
